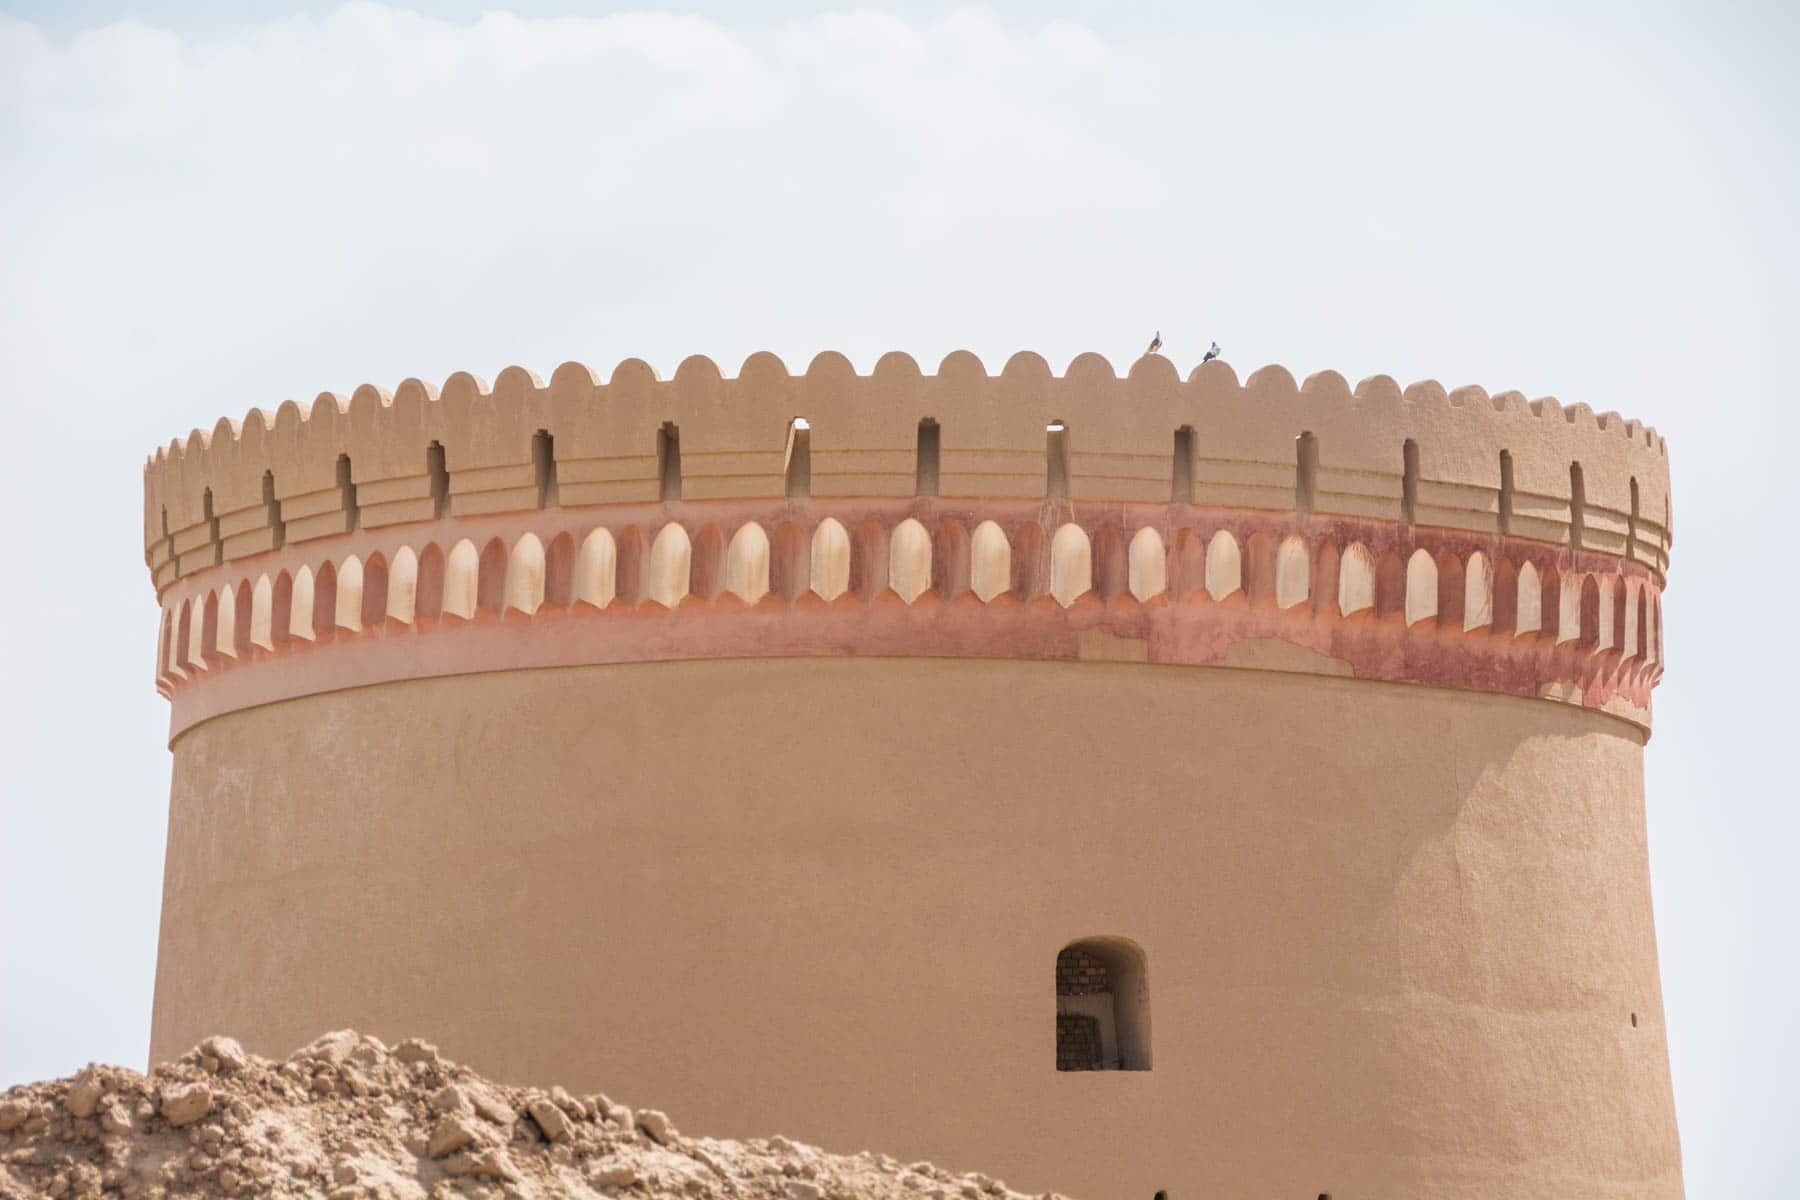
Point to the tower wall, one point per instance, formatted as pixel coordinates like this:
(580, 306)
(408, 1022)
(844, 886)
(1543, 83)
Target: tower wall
(775, 804)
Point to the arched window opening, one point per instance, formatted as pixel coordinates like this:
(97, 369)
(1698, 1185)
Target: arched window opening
(1071, 564)
(990, 561)
(829, 559)
(1102, 1006)
(668, 574)
(909, 560)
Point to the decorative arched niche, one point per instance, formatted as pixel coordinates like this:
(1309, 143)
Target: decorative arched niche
(1102, 1006)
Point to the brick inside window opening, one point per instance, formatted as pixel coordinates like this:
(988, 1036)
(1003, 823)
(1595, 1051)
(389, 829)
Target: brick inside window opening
(1077, 1042)
(1079, 973)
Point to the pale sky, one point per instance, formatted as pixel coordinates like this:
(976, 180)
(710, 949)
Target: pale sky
(210, 207)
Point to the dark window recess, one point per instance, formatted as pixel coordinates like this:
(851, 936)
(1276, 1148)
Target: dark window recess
(347, 494)
(1077, 1042)
(1102, 1007)
(1506, 492)
(543, 468)
(1409, 481)
(1181, 470)
(668, 461)
(925, 482)
(272, 506)
(1056, 461)
(1577, 507)
(218, 548)
(1079, 973)
(440, 480)
(1306, 472)
(797, 481)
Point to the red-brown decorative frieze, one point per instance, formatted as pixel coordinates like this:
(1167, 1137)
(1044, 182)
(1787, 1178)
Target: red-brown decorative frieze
(1042, 579)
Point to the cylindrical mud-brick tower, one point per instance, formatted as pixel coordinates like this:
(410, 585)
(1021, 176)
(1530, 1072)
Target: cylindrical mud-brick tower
(1117, 785)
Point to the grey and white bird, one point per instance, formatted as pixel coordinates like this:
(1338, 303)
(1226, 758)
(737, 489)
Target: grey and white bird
(1211, 354)
(1155, 343)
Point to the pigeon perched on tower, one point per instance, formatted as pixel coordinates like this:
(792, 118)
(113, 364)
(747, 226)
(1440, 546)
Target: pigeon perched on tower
(1155, 343)
(1212, 353)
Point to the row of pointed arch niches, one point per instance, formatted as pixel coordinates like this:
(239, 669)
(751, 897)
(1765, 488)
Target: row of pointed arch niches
(1008, 579)
(1422, 456)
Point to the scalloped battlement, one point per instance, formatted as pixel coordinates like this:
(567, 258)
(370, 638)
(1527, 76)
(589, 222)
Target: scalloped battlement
(1459, 460)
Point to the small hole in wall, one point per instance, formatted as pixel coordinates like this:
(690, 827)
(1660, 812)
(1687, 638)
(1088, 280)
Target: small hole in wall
(543, 468)
(218, 548)
(1181, 473)
(1409, 481)
(347, 493)
(1577, 507)
(1162, 1196)
(1631, 524)
(798, 468)
(1506, 492)
(668, 461)
(1056, 461)
(439, 475)
(1306, 471)
(925, 476)
(272, 506)
(1634, 1020)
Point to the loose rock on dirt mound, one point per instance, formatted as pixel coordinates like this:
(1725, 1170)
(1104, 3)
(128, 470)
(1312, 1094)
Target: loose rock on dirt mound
(348, 1118)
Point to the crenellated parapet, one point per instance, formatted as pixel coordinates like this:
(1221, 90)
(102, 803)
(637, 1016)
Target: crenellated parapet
(1459, 460)
(1449, 539)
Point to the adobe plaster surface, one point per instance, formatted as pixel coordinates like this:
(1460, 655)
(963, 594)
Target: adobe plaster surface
(634, 733)
(1395, 936)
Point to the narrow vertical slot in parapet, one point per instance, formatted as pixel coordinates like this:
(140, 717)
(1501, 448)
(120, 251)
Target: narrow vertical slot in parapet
(668, 461)
(1506, 492)
(1631, 523)
(1181, 468)
(1409, 482)
(1056, 461)
(797, 472)
(347, 492)
(218, 549)
(543, 468)
(439, 474)
(1306, 473)
(272, 506)
(1577, 506)
(925, 479)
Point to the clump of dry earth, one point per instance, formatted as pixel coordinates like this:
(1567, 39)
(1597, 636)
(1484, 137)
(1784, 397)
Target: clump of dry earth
(349, 1118)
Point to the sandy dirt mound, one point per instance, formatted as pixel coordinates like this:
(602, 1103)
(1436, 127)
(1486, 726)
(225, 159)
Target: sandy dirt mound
(348, 1118)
